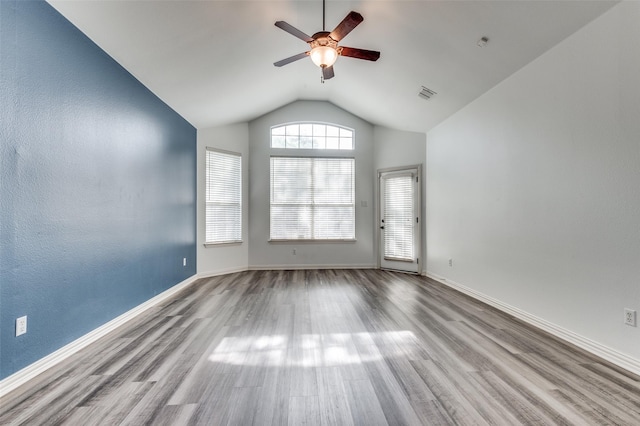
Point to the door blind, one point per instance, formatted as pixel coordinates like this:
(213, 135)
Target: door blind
(398, 217)
(312, 198)
(223, 197)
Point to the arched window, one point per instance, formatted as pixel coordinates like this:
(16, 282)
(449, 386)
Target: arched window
(311, 136)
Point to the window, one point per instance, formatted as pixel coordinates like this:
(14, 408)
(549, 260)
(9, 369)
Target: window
(311, 136)
(312, 198)
(399, 217)
(223, 197)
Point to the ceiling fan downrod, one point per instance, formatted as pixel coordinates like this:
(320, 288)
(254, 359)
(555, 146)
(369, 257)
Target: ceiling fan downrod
(323, 15)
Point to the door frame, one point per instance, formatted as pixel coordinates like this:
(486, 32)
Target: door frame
(418, 212)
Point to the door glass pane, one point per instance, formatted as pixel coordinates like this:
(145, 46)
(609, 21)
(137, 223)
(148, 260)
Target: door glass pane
(398, 217)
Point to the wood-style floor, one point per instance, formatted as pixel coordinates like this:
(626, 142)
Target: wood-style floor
(360, 347)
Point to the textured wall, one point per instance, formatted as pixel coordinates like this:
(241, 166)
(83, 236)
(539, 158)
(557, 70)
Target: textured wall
(398, 148)
(533, 188)
(97, 186)
(262, 253)
(218, 259)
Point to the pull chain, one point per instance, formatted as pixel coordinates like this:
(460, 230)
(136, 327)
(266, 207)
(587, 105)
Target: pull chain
(323, 29)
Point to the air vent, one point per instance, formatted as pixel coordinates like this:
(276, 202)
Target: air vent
(426, 93)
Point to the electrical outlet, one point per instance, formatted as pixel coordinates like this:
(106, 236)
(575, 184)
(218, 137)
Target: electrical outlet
(184, 261)
(21, 326)
(630, 317)
(450, 262)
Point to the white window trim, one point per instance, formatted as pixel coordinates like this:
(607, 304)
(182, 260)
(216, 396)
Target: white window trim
(227, 242)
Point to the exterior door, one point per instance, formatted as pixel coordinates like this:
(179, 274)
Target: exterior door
(399, 216)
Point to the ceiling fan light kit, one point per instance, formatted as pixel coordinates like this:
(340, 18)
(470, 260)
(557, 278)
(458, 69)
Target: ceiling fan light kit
(324, 50)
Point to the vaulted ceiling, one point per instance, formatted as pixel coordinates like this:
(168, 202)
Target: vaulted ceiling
(212, 61)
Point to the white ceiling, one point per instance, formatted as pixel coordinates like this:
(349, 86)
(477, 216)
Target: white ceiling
(212, 61)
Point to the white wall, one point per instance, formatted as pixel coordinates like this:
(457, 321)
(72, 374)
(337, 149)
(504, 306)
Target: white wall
(534, 188)
(262, 253)
(397, 148)
(223, 258)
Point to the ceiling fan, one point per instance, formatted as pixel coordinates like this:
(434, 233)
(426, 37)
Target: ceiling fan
(324, 44)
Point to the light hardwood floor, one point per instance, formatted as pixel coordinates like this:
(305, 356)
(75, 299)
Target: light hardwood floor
(334, 347)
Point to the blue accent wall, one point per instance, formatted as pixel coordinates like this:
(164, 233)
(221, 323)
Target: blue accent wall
(97, 186)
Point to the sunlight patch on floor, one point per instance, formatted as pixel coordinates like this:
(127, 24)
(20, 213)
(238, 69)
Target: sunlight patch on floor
(310, 350)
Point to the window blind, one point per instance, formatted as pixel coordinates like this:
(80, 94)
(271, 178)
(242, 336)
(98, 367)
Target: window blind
(312, 198)
(223, 197)
(398, 217)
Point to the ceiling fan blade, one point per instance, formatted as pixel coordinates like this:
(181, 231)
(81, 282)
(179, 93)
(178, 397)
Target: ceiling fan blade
(293, 31)
(327, 72)
(352, 52)
(351, 21)
(291, 59)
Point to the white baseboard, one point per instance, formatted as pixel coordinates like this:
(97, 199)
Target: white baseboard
(219, 272)
(302, 267)
(29, 372)
(618, 358)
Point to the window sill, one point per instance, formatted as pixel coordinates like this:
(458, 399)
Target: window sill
(398, 259)
(226, 243)
(303, 241)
